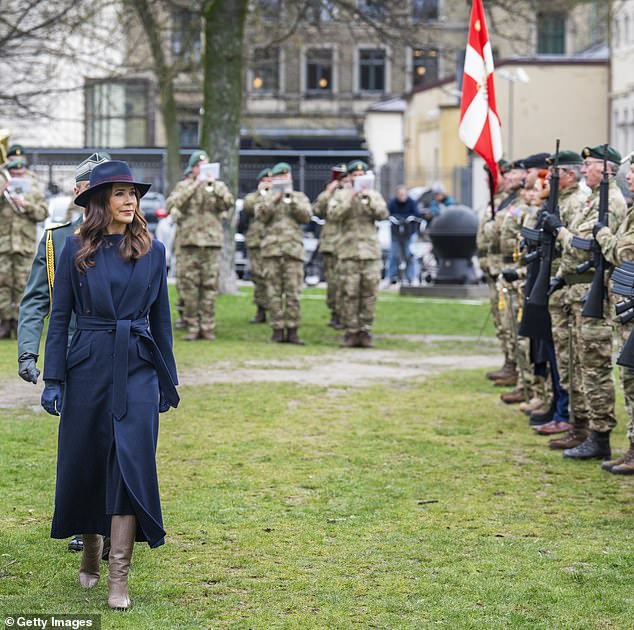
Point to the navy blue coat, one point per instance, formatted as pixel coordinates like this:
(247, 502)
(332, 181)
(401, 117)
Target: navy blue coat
(117, 359)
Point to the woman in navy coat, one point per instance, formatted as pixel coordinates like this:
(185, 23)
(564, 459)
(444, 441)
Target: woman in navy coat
(118, 374)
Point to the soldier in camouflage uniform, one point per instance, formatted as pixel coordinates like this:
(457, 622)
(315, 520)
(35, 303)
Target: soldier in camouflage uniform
(359, 255)
(618, 247)
(19, 215)
(594, 335)
(255, 234)
(199, 207)
(283, 214)
(327, 243)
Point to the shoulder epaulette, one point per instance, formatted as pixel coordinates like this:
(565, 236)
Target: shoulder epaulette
(59, 225)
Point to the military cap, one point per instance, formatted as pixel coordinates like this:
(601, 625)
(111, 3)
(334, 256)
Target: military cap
(537, 160)
(357, 165)
(196, 157)
(281, 168)
(265, 172)
(566, 158)
(82, 172)
(16, 149)
(612, 155)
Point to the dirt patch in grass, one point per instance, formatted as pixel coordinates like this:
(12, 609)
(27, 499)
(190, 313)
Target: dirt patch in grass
(354, 367)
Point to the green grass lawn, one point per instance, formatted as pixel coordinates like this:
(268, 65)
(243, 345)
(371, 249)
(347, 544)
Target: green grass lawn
(416, 504)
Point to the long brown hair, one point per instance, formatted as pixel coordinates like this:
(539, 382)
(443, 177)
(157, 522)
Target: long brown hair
(136, 241)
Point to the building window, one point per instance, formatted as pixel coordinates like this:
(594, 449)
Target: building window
(264, 77)
(372, 70)
(117, 114)
(424, 66)
(373, 9)
(319, 71)
(551, 33)
(423, 10)
(188, 133)
(185, 37)
(320, 11)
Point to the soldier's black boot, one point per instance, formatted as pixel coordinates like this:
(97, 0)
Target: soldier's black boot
(260, 316)
(278, 335)
(292, 337)
(595, 446)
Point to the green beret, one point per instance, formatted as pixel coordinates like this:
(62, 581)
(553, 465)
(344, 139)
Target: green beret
(537, 160)
(265, 172)
(504, 166)
(612, 155)
(19, 163)
(357, 165)
(281, 168)
(16, 149)
(196, 157)
(566, 158)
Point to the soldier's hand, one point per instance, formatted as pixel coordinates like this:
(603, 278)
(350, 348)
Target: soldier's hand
(552, 224)
(27, 368)
(510, 275)
(598, 226)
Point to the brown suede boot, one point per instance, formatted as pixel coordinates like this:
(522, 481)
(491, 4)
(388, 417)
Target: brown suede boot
(122, 534)
(260, 316)
(624, 465)
(292, 337)
(350, 340)
(90, 568)
(510, 380)
(516, 396)
(572, 439)
(277, 336)
(508, 368)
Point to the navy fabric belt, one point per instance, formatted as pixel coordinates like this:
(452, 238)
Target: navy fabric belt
(123, 328)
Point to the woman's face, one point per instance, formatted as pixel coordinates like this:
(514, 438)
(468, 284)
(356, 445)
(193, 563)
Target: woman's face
(123, 204)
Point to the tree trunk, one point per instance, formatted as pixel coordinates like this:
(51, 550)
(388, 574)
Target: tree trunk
(222, 102)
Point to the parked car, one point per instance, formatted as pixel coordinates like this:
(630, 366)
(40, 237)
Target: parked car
(153, 209)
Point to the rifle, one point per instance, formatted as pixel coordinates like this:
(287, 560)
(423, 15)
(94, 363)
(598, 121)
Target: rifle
(535, 317)
(623, 284)
(593, 306)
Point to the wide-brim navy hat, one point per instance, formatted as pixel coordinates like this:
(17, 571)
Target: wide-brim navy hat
(111, 172)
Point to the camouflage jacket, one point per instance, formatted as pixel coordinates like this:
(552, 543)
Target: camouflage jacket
(583, 221)
(330, 231)
(256, 229)
(283, 223)
(618, 246)
(199, 212)
(510, 229)
(18, 228)
(357, 213)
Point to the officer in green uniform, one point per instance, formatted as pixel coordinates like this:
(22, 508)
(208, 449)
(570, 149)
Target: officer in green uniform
(254, 236)
(36, 300)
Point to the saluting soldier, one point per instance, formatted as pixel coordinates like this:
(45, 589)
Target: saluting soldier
(20, 210)
(283, 213)
(255, 233)
(328, 237)
(198, 206)
(594, 334)
(359, 255)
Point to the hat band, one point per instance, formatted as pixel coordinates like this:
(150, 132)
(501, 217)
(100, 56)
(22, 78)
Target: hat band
(123, 179)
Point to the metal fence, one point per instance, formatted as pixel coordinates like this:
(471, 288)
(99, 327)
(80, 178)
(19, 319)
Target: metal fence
(311, 169)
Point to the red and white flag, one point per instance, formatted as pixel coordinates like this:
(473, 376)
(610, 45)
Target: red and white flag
(479, 120)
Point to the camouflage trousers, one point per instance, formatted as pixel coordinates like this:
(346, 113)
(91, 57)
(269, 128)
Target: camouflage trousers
(257, 276)
(502, 306)
(197, 277)
(330, 273)
(594, 341)
(562, 307)
(14, 272)
(360, 285)
(627, 376)
(284, 278)
(510, 303)
(496, 315)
